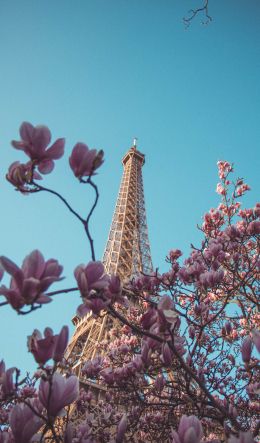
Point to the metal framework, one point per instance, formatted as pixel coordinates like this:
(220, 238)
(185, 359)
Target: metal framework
(127, 254)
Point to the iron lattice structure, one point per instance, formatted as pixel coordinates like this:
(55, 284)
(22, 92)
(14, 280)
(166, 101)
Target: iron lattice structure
(127, 254)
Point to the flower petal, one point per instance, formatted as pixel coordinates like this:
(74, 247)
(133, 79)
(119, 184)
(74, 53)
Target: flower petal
(56, 150)
(26, 131)
(46, 166)
(11, 268)
(33, 265)
(41, 138)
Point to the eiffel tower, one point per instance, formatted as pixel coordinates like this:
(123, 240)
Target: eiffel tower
(127, 254)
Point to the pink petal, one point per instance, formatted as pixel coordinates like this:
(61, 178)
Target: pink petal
(94, 270)
(83, 310)
(56, 150)
(43, 299)
(47, 281)
(41, 138)
(31, 289)
(61, 343)
(86, 166)
(121, 430)
(26, 131)
(78, 154)
(33, 265)
(36, 176)
(46, 166)
(13, 297)
(71, 391)
(11, 268)
(52, 268)
(18, 145)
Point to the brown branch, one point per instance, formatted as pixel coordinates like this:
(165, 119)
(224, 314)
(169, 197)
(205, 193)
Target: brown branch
(194, 12)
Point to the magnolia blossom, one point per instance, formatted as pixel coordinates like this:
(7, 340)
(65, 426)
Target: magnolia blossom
(121, 429)
(84, 161)
(34, 142)
(256, 338)
(211, 278)
(24, 422)
(189, 430)
(91, 279)
(244, 437)
(29, 282)
(167, 354)
(21, 175)
(246, 349)
(220, 189)
(91, 276)
(242, 189)
(51, 346)
(174, 254)
(58, 393)
(254, 227)
(224, 168)
(7, 386)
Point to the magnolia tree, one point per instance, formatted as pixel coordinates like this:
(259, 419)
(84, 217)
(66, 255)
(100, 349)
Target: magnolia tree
(180, 362)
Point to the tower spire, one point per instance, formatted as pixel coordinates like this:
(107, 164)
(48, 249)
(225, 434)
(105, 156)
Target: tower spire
(127, 252)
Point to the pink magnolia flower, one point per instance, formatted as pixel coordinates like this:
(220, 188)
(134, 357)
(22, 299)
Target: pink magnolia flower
(121, 429)
(6, 380)
(242, 189)
(174, 254)
(224, 168)
(244, 437)
(34, 142)
(220, 189)
(166, 355)
(94, 304)
(114, 291)
(189, 430)
(90, 277)
(159, 382)
(24, 423)
(246, 349)
(257, 210)
(93, 367)
(166, 312)
(20, 175)
(61, 344)
(254, 227)
(209, 279)
(29, 282)
(68, 434)
(91, 280)
(59, 393)
(84, 161)
(256, 338)
(51, 346)
(41, 348)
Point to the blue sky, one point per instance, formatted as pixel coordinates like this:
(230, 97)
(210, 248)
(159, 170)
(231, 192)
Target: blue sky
(102, 72)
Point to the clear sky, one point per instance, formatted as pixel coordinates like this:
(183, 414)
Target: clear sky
(102, 72)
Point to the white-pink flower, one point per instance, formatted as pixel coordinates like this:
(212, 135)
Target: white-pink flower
(58, 393)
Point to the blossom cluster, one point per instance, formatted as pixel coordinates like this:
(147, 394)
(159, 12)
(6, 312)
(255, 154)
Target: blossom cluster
(179, 360)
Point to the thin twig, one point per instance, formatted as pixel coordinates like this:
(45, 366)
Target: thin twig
(194, 12)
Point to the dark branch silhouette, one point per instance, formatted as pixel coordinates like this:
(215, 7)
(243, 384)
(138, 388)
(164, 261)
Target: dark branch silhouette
(203, 10)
